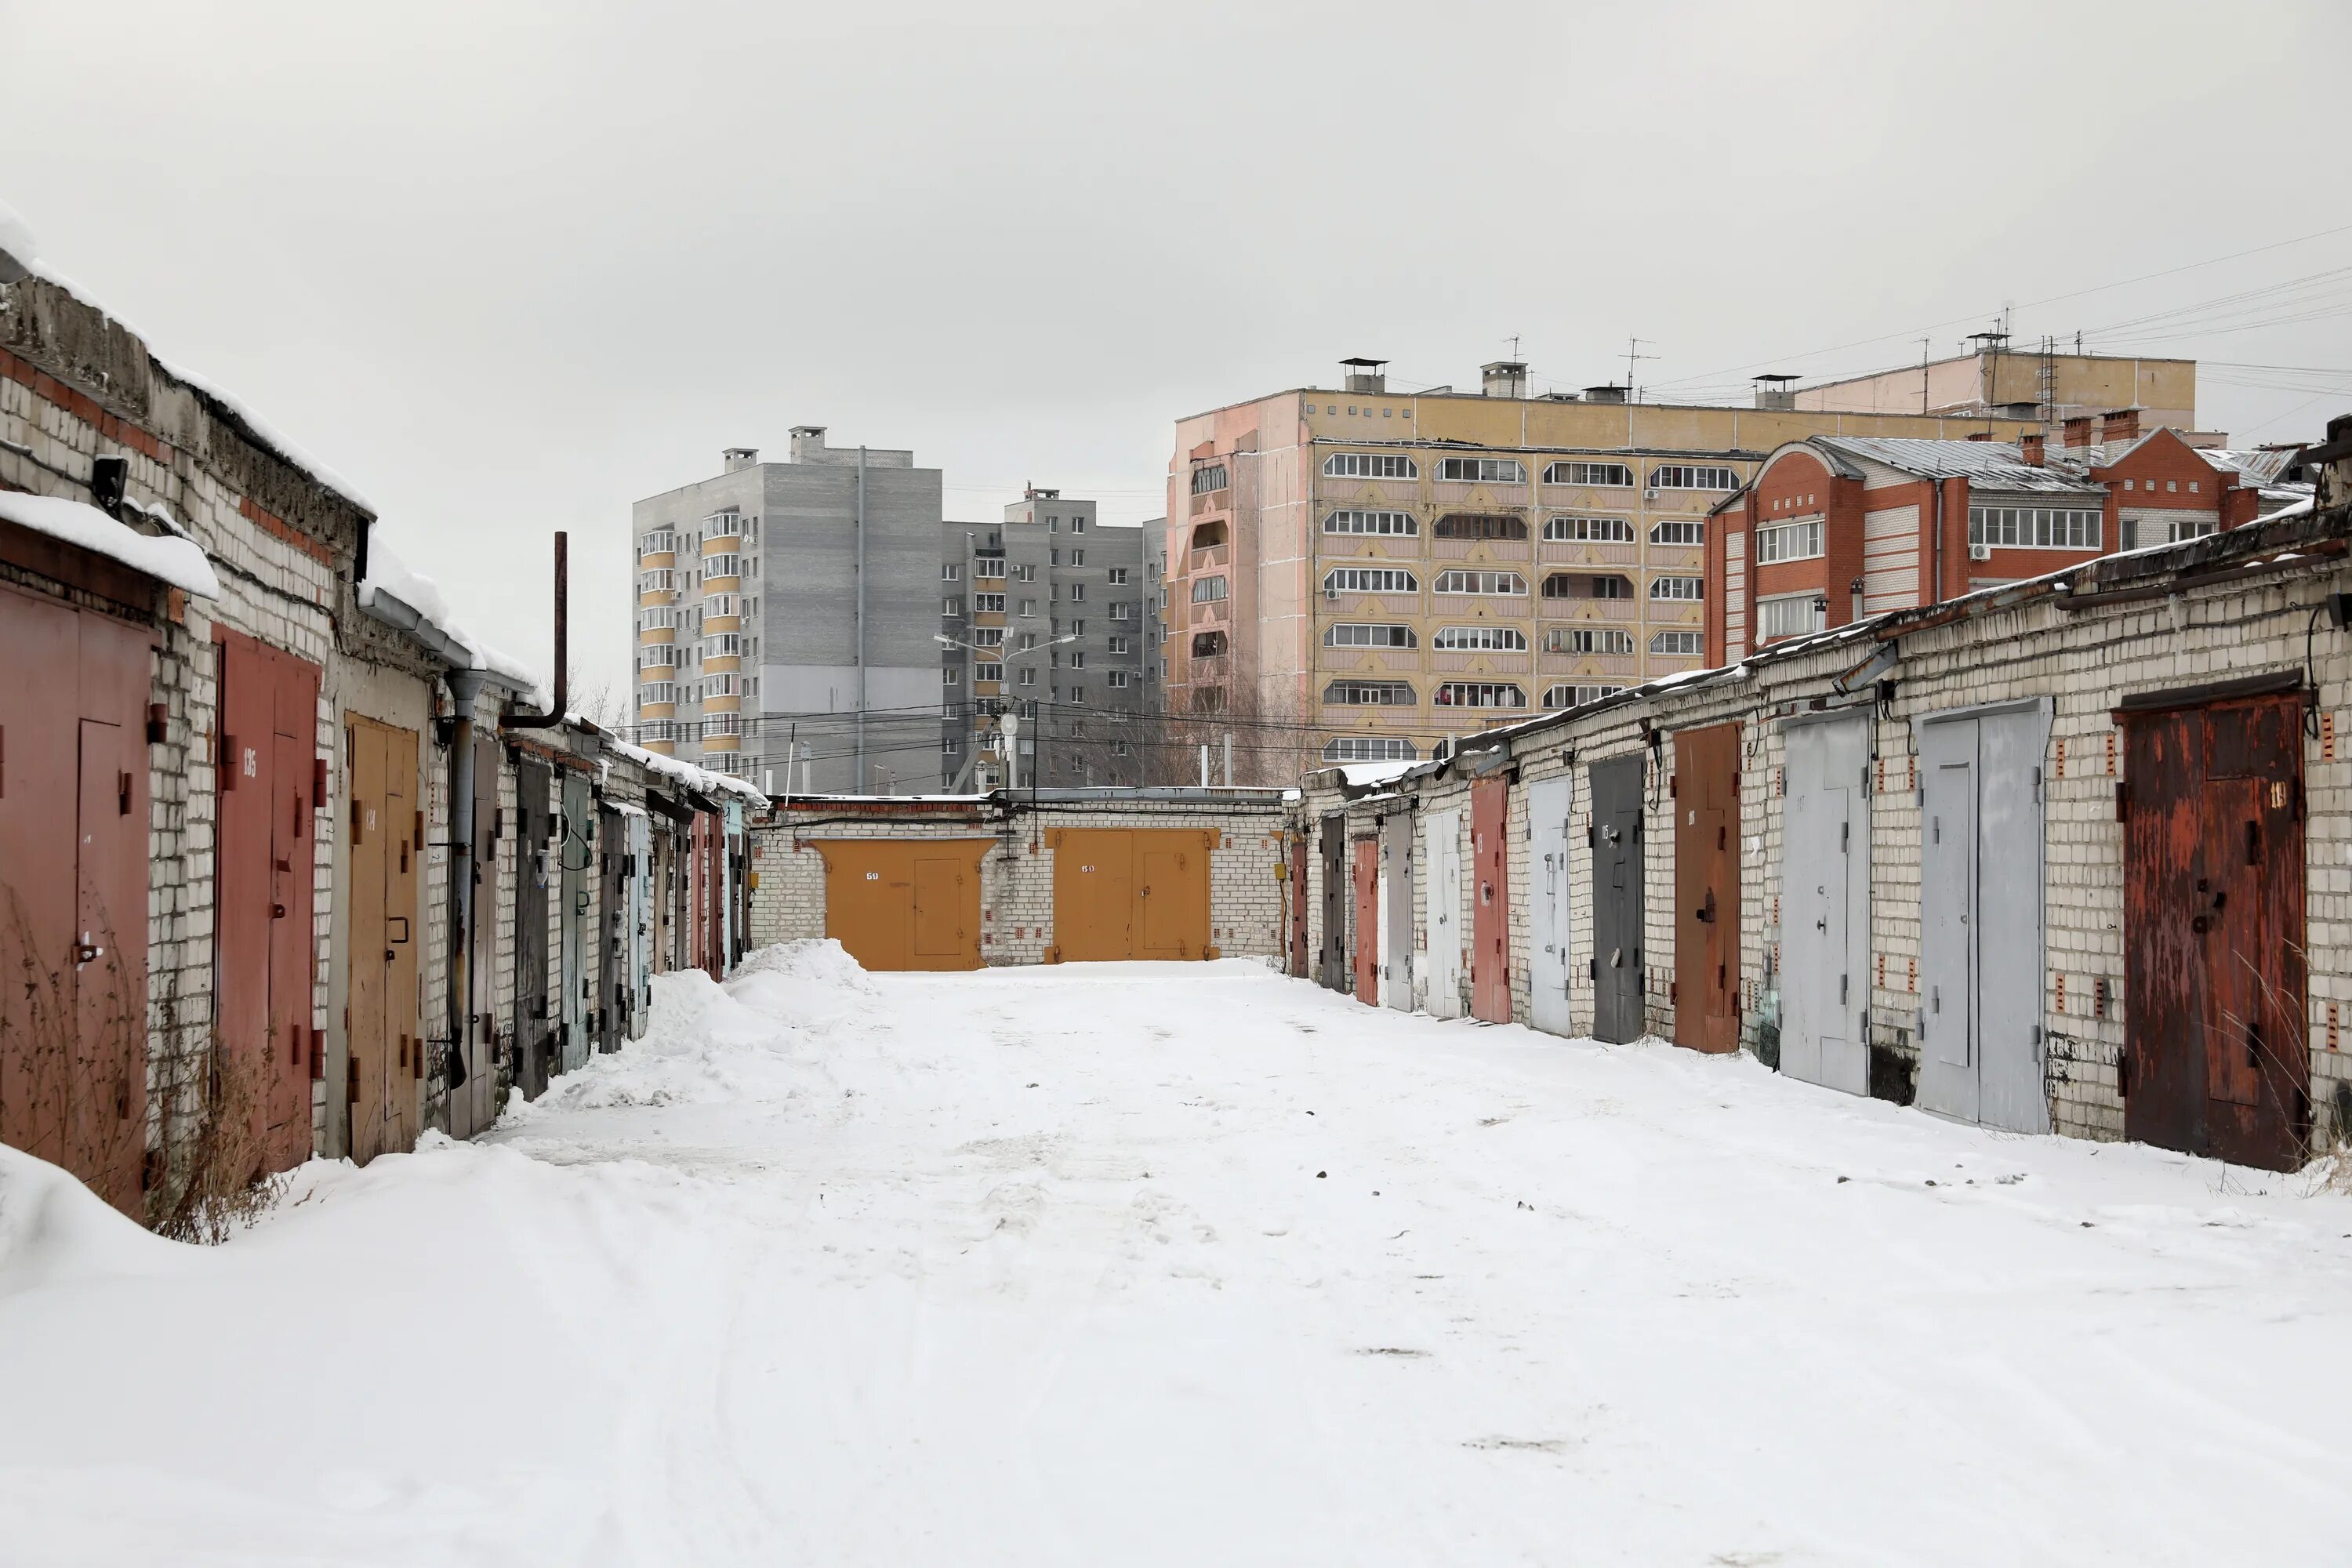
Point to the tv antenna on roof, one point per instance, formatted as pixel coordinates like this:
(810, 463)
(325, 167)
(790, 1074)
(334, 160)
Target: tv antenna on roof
(1632, 353)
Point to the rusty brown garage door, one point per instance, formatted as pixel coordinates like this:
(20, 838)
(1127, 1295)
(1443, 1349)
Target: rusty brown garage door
(1130, 892)
(2217, 1060)
(264, 947)
(73, 889)
(1707, 888)
(900, 904)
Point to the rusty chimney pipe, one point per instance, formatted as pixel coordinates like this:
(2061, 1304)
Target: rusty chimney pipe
(562, 644)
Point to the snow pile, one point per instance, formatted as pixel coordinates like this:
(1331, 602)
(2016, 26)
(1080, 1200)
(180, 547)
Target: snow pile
(693, 777)
(752, 1039)
(54, 1231)
(178, 562)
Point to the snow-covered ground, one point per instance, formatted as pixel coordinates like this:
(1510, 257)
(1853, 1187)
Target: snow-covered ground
(1140, 1264)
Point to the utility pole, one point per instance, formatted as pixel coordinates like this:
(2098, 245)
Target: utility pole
(862, 786)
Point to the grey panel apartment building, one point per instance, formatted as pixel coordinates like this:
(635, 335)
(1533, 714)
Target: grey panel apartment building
(785, 617)
(1054, 618)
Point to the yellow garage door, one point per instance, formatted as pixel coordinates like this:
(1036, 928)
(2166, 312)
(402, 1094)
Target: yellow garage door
(1130, 892)
(905, 903)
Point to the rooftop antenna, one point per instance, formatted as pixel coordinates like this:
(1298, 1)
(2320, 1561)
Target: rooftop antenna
(1632, 353)
(1924, 344)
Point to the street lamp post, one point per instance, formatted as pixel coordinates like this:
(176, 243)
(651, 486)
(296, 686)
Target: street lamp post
(1006, 655)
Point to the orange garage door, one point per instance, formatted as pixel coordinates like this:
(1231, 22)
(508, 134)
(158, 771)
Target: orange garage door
(1125, 893)
(905, 903)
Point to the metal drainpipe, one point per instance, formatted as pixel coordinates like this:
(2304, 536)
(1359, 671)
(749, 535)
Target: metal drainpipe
(1936, 589)
(861, 621)
(464, 686)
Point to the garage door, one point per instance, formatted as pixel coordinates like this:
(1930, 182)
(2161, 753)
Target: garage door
(1130, 893)
(905, 904)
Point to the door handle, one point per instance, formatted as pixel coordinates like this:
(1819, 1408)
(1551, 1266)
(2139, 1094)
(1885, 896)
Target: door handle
(1821, 924)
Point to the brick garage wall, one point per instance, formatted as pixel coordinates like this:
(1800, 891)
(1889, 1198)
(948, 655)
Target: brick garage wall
(1245, 891)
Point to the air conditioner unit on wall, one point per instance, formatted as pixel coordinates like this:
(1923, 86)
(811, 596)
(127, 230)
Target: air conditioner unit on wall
(1980, 551)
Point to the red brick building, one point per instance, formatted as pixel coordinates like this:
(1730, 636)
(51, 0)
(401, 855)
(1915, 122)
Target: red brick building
(1835, 528)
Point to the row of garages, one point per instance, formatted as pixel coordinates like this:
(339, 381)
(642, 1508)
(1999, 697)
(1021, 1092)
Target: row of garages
(289, 864)
(2067, 855)
(1027, 877)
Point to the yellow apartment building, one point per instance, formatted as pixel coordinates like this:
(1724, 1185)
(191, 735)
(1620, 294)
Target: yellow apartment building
(1354, 573)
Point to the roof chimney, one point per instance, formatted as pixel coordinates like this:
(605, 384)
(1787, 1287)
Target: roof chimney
(1609, 394)
(808, 443)
(1364, 375)
(2120, 425)
(2077, 431)
(2029, 448)
(740, 457)
(1503, 378)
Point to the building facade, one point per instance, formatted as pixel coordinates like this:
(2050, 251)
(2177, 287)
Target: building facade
(1835, 529)
(2021, 382)
(1353, 575)
(1051, 616)
(785, 619)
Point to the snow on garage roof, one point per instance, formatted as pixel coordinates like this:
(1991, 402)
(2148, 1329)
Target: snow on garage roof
(181, 563)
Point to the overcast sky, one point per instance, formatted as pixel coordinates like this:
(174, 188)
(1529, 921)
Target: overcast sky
(510, 266)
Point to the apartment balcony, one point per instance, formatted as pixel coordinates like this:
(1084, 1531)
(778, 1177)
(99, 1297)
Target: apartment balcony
(1211, 671)
(716, 586)
(1608, 612)
(1590, 666)
(722, 543)
(1499, 663)
(1354, 715)
(1585, 552)
(1212, 555)
(1214, 613)
(1677, 558)
(1515, 551)
(1367, 660)
(657, 559)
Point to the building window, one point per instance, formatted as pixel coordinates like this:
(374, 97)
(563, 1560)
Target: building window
(1676, 644)
(1575, 695)
(660, 541)
(1369, 749)
(989, 636)
(1487, 639)
(1693, 476)
(950, 570)
(1353, 521)
(2034, 527)
(1119, 680)
(1078, 525)
(1356, 634)
(1480, 694)
(723, 645)
(1678, 530)
(721, 566)
(1116, 577)
(951, 675)
(1369, 694)
(1792, 616)
(1563, 586)
(1617, 475)
(1026, 573)
(1208, 590)
(2196, 528)
(1028, 607)
(718, 606)
(1370, 465)
(1592, 529)
(1471, 582)
(661, 579)
(1369, 580)
(1119, 644)
(1212, 478)
(1483, 470)
(987, 604)
(1028, 676)
(1122, 610)
(951, 606)
(1790, 541)
(1077, 591)
(988, 566)
(1480, 525)
(1077, 658)
(1208, 645)
(1588, 640)
(1678, 587)
(988, 672)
